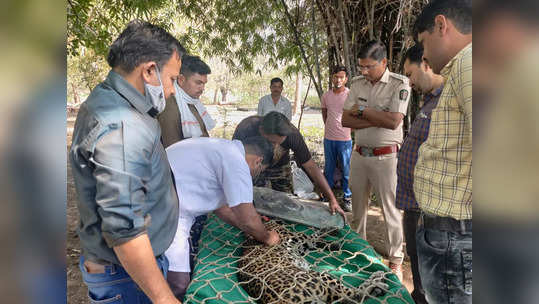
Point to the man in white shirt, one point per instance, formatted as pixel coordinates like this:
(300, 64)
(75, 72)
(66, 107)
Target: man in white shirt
(215, 175)
(275, 101)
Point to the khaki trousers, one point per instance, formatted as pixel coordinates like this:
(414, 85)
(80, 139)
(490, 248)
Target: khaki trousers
(378, 173)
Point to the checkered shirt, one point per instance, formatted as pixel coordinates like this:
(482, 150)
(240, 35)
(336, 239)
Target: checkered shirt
(418, 133)
(443, 174)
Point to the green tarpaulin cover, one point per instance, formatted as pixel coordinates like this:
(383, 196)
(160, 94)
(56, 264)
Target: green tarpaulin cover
(215, 278)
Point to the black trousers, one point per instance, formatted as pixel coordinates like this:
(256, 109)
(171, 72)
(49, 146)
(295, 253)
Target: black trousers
(409, 223)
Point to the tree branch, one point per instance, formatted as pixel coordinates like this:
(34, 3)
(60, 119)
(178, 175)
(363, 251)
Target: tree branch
(300, 45)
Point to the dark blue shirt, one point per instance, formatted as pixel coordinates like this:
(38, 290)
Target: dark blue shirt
(418, 133)
(121, 172)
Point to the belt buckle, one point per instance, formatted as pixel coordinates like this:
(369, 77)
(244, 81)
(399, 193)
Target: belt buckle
(367, 151)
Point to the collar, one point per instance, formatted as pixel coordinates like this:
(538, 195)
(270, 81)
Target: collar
(129, 93)
(384, 78)
(437, 92)
(271, 98)
(447, 68)
(431, 97)
(343, 91)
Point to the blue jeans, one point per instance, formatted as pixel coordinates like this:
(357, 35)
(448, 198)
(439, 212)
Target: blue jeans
(336, 150)
(445, 264)
(115, 285)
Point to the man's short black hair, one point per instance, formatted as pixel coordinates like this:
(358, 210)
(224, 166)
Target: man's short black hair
(373, 49)
(142, 42)
(192, 65)
(277, 124)
(276, 79)
(414, 54)
(259, 146)
(339, 68)
(458, 11)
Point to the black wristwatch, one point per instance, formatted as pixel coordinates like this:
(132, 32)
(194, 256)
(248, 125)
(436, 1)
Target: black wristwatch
(360, 111)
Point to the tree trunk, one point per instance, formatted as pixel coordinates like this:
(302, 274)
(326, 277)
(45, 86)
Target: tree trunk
(297, 102)
(390, 59)
(224, 91)
(346, 44)
(75, 94)
(215, 96)
(299, 43)
(315, 47)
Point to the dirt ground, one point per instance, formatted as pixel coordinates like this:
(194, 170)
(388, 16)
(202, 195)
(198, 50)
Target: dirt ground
(226, 122)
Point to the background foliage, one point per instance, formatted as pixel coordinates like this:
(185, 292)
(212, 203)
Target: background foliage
(246, 42)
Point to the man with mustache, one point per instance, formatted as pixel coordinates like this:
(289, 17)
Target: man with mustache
(275, 101)
(375, 107)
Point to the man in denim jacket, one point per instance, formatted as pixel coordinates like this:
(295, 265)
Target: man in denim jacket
(126, 199)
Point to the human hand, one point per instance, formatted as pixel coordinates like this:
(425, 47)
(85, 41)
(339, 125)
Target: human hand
(273, 238)
(353, 110)
(334, 207)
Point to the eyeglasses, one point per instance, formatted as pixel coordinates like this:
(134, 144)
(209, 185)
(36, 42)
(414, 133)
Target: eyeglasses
(367, 67)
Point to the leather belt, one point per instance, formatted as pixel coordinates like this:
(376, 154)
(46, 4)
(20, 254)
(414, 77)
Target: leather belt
(445, 223)
(367, 151)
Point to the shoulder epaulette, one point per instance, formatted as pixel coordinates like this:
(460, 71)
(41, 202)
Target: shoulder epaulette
(360, 77)
(399, 77)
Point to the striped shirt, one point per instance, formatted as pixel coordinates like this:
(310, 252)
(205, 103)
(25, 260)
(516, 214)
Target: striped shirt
(443, 174)
(419, 131)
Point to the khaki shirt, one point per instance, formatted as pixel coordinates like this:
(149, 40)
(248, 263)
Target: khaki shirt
(391, 94)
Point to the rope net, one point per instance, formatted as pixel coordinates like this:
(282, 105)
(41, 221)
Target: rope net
(310, 265)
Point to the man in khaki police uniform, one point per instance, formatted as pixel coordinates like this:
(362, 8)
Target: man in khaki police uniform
(375, 108)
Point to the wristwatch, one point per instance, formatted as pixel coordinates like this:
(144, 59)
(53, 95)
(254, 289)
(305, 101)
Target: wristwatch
(360, 111)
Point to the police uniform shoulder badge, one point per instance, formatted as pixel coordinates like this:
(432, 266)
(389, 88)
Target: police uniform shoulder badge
(403, 94)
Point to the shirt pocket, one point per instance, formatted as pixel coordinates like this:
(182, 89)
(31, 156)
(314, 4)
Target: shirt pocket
(388, 104)
(467, 270)
(85, 149)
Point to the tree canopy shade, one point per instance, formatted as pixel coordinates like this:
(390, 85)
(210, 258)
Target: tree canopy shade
(308, 36)
(93, 24)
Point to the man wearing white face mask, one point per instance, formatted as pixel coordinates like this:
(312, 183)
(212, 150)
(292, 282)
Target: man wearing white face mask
(214, 174)
(126, 200)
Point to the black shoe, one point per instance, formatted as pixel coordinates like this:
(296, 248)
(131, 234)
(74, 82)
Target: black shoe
(346, 204)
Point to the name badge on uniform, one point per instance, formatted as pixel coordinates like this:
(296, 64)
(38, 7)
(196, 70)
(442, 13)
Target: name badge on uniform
(362, 99)
(403, 94)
